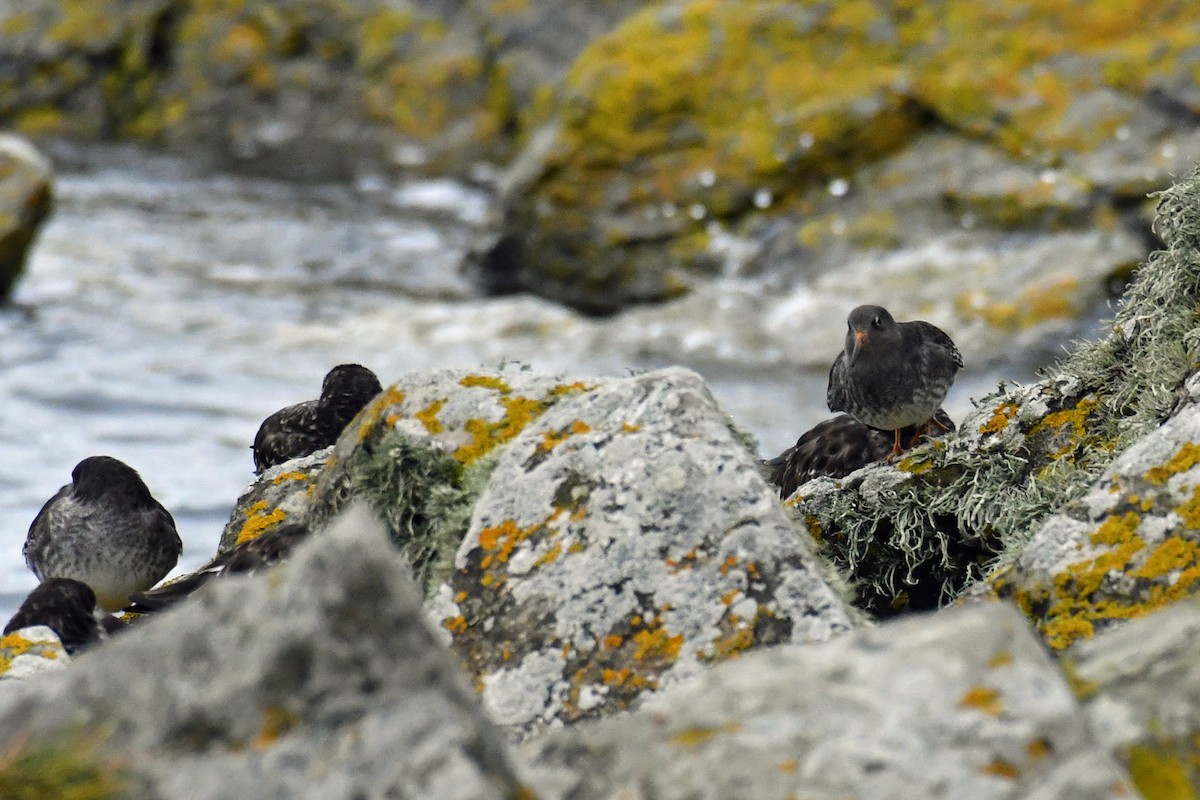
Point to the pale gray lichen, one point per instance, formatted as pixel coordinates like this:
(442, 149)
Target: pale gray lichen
(967, 502)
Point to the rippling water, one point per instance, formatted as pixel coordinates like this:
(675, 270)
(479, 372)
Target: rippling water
(165, 314)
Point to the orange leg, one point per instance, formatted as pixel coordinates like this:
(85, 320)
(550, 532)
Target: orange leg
(896, 451)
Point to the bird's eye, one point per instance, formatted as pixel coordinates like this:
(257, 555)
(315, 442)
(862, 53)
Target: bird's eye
(875, 323)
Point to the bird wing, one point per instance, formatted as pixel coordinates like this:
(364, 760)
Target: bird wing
(835, 394)
(936, 336)
(288, 433)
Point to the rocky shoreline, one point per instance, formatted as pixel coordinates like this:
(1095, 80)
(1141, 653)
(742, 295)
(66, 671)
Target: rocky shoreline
(631, 601)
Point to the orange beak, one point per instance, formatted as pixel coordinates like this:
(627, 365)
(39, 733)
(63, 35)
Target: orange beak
(860, 339)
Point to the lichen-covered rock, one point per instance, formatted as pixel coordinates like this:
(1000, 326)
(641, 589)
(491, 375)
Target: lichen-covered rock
(583, 541)
(1129, 546)
(962, 704)
(1140, 683)
(700, 121)
(923, 528)
(25, 200)
(28, 651)
(293, 88)
(318, 680)
(625, 540)
(282, 493)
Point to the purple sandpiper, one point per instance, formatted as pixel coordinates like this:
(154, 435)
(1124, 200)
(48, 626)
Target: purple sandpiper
(106, 530)
(307, 427)
(250, 556)
(892, 374)
(835, 448)
(65, 606)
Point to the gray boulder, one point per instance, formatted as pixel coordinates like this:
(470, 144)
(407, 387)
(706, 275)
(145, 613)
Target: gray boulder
(1140, 682)
(318, 680)
(963, 704)
(581, 542)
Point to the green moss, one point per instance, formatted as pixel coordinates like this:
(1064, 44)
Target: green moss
(424, 497)
(67, 768)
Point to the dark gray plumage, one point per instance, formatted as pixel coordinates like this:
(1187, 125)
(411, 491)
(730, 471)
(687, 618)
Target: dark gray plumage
(270, 547)
(891, 374)
(106, 530)
(66, 607)
(307, 427)
(835, 448)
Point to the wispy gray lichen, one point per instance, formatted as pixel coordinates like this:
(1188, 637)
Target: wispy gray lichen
(913, 541)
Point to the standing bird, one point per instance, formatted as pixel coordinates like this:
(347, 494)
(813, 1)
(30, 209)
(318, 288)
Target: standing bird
(106, 530)
(265, 550)
(66, 607)
(892, 374)
(307, 427)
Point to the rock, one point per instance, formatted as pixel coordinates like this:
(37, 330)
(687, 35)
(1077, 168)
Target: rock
(696, 124)
(914, 534)
(25, 201)
(318, 679)
(1140, 682)
(280, 493)
(965, 703)
(1128, 546)
(625, 540)
(28, 651)
(581, 542)
(295, 91)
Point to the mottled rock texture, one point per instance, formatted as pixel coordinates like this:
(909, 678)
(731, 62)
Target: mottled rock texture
(27, 651)
(317, 680)
(25, 201)
(582, 541)
(963, 704)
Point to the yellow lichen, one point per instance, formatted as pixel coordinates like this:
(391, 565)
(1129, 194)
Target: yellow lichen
(983, 698)
(656, 644)
(289, 476)
(1002, 658)
(276, 722)
(1001, 769)
(258, 519)
(1184, 459)
(485, 435)
(1000, 418)
(1159, 775)
(428, 416)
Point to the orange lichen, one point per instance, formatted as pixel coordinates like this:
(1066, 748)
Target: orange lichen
(370, 416)
(485, 435)
(613, 641)
(498, 541)
(258, 520)
(1002, 658)
(276, 722)
(1001, 769)
(656, 644)
(1003, 414)
(428, 416)
(1184, 459)
(289, 476)
(983, 698)
(486, 382)
(1039, 749)
(456, 624)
